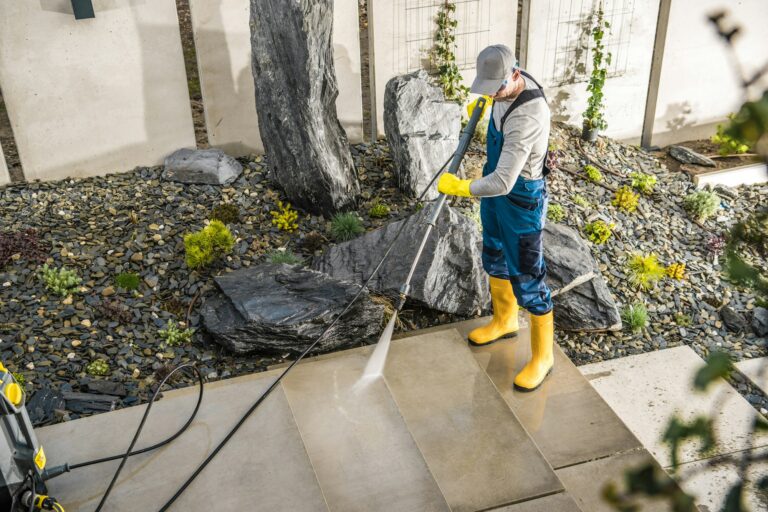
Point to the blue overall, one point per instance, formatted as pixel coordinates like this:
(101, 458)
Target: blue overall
(512, 233)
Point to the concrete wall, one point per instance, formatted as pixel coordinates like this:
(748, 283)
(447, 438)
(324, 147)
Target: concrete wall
(698, 87)
(223, 43)
(93, 96)
(558, 54)
(5, 178)
(402, 35)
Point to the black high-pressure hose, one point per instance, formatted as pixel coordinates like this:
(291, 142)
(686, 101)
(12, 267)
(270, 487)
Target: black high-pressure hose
(272, 387)
(129, 453)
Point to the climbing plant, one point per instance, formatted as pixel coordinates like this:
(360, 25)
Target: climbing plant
(593, 115)
(443, 54)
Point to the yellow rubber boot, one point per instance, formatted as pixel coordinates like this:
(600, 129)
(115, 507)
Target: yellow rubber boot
(542, 359)
(504, 321)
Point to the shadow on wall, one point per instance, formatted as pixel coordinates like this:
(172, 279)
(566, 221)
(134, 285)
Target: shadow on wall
(559, 106)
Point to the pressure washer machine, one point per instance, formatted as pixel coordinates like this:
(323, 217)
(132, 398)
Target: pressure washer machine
(22, 459)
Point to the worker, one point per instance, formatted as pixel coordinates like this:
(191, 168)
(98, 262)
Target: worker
(513, 207)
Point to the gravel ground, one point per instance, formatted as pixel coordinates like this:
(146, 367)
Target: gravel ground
(135, 222)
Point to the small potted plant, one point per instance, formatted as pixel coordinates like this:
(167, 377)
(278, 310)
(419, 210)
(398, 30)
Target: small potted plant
(594, 120)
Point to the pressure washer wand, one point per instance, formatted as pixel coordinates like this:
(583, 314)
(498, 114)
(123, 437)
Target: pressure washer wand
(375, 366)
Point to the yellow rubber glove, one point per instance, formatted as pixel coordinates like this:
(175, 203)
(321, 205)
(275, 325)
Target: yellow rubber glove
(450, 185)
(471, 107)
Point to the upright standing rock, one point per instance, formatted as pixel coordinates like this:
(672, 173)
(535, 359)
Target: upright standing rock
(292, 63)
(422, 130)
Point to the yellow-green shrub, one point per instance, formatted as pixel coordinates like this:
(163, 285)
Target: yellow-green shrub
(676, 271)
(204, 246)
(593, 174)
(285, 217)
(644, 271)
(626, 199)
(599, 231)
(643, 182)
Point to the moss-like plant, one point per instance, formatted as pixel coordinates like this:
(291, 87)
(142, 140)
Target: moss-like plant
(626, 199)
(172, 335)
(20, 379)
(286, 256)
(26, 244)
(593, 174)
(378, 210)
(702, 204)
(227, 213)
(114, 311)
(643, 182)
(98, 368)
(644, 271)
(580, 200)
(683, 320)
(346, 226)
(635, 316)
(285, 218)
(599, 231)
(555, 212)
(728, 145)
(676, 271)
(60, 281)
(128, 280)
(204, 246)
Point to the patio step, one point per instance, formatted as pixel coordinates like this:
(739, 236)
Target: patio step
(442, 430)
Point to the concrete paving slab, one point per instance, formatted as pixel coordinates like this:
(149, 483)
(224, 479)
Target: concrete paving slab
(360, 447)
(645, 390)
(585, 482)
(710, 484)
(479, 453)
(265, 463)
(560, 502)
(566, 417)
(755, 370)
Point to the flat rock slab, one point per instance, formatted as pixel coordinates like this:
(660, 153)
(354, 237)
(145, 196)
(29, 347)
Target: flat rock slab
(588, 306)
(566, 417)
(203, 166)
(689, 156)
(360, 447)
(561, 502)
(710, 484)
(585, 482)
(284, 308)
(479, 453)
(756, 370)
(264, 464)
(661, 384)
(449, 276)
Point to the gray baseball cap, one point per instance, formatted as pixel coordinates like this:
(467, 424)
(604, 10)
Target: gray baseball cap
(494, 64)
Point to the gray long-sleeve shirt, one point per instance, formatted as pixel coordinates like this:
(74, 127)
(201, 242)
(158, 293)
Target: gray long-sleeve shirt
(526, 138)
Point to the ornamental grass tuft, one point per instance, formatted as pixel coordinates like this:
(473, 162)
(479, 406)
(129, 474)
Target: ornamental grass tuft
(346, 226)
(635, 316)
(644, 271)
(210, 243)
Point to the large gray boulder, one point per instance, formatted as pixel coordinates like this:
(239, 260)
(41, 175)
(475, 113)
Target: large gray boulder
(422, 130)
(284, 308)
(204, 166)
(588, 306)
(760, 321)
(296, 90)
(449, 276)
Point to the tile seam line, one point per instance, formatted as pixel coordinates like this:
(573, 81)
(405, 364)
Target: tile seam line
(719, 455)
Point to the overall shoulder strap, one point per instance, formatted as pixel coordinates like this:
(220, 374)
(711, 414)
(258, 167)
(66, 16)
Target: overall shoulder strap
(525, 96)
